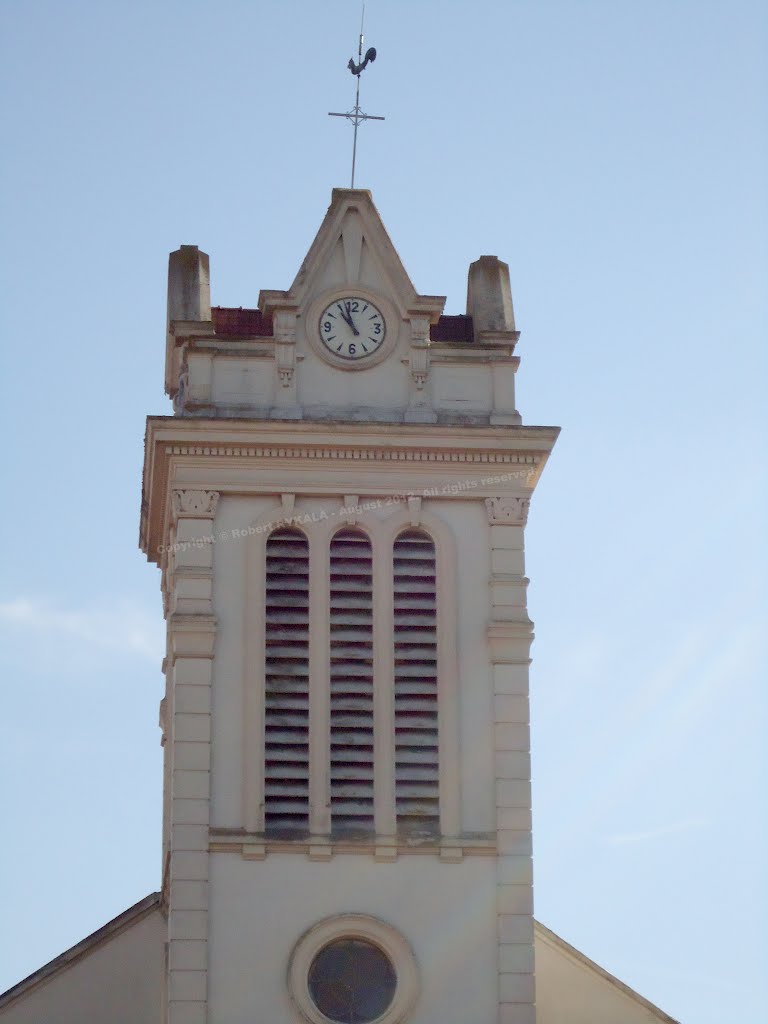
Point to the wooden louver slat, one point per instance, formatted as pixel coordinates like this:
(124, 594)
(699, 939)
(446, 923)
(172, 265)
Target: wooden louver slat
(286, 676)
(416, 722)
(351, 679)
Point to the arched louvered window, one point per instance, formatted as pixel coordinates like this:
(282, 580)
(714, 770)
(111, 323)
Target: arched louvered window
(286, 711)
(416, 725)
(351, 679)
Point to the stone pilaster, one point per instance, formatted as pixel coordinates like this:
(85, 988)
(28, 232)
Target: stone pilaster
(192, 629)
(510, 635)
(286, 396)
(419, 406)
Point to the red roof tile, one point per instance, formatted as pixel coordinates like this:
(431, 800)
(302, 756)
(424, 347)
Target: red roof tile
(249, 323)
(452, 328)
(240, 323)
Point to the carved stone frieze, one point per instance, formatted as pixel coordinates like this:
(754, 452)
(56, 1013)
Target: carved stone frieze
(193, 504)
(507, 511)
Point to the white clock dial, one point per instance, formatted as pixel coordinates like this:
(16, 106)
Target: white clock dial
(352, 328)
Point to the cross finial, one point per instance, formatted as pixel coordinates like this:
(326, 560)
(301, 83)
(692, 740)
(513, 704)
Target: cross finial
(356, 115)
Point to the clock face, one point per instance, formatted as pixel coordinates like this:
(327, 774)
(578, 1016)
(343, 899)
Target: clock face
(352, 328)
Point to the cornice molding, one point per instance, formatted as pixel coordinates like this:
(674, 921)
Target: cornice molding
(451, 460)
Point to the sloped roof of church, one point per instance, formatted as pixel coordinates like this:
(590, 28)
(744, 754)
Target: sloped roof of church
(70, 956)
(542, 932)
(151, 903)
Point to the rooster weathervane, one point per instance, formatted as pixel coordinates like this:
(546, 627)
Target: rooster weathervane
(356, 115)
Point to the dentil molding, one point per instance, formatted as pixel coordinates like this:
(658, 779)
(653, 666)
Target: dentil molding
(356, 454)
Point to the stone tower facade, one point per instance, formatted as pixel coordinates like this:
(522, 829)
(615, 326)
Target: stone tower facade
(337, 508)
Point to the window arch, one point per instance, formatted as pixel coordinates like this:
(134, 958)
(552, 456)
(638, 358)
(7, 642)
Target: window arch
(286, 684)
(417, 769)
(351, 683)
(331, 751)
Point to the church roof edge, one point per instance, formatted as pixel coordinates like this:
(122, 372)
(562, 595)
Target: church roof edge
(547, 935)
(81, 949)
(152, 902)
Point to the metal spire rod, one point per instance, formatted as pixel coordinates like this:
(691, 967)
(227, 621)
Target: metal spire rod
(356, 115)
(357, 93)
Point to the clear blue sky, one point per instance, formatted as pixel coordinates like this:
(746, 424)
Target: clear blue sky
(615, 154)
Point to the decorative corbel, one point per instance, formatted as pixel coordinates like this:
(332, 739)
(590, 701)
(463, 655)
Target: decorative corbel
(284, 328)
(163, 721)
(419, 351)
(419, 409)
(288, 502)
(507, 511)
(180, 397)
(414, 509)
(194, 504)
(350, 511)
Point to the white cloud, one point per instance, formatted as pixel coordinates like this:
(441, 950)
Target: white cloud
(657, 833)
(120, 627)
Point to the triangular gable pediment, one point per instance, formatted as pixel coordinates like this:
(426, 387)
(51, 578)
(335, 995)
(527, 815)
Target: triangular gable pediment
(570, 986)
(352, 248)
(117, 969)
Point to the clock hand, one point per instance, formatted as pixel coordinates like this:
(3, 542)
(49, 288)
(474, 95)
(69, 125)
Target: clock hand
(348, 317)
(345, 314)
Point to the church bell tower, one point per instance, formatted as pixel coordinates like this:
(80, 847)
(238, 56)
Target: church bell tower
(337, 508)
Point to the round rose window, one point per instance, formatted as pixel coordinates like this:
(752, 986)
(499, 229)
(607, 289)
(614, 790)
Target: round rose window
(352, 981)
